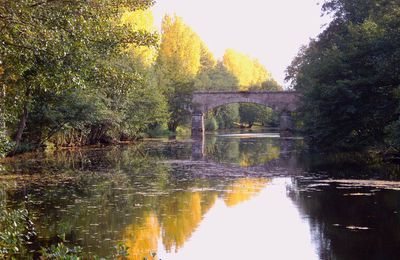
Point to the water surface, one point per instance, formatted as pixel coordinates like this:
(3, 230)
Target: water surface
(230, 196)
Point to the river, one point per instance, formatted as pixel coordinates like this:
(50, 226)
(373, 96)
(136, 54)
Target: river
(243, 195)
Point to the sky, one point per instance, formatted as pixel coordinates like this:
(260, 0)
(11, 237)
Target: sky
(270, 30)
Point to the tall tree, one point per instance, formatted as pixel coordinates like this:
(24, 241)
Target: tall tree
(179, 58)
(182, 56)
(349, 76)
(250, 72)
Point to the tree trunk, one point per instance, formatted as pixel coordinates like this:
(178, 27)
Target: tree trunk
(172, 126)
(21, 126)
(3, 131)
(2, 113)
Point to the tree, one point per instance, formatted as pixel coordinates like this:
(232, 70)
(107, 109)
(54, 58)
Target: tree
(182, 56)
(248, 113)
(249, 72)
(141, 20)
(179, 58)
(348, 76)
(56, 46)
(179, 100)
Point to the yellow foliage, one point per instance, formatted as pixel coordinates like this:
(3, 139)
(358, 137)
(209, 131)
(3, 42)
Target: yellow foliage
(249, 72)
(141, 20)
(207, 59)
(142, 240)
(182, 53)
(243, 190)
(178, 218)
(183, 213)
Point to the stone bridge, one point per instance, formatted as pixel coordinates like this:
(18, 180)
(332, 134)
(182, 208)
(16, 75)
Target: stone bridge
(283, 101)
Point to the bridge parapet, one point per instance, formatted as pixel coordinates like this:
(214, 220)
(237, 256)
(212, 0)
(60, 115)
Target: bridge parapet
(277, 100)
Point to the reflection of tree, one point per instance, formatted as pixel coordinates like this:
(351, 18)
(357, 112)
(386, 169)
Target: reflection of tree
(142, 238)
(110, 195)
(245, 152)
(180, 214)
(226, 150)
(242, 190)
(329, 212)
(258, 152)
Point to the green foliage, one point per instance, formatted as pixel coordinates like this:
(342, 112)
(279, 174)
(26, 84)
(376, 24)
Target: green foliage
(52, 112)
(248, 113)
(5, 144)
(183, 131)
(268, 117)
(211, 124)
(145, 107)
(15, 229)
(227, 116)
(179, 101)
(271, 85)
(216, 78)
(61, 251)
(348, 76)
(252, 113)
(57, 46)
(158, 131)
(88, 72)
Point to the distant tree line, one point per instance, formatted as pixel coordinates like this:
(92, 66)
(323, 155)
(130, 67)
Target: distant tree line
(86, 72)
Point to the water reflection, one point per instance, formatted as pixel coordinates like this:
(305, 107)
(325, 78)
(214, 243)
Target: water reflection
(227, 204)
(104, 196)
(351, 220)
(142, 238)
(266, 227)
(258, 153)
(242, 190)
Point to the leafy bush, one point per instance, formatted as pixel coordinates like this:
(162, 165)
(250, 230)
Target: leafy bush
(61, 251)
(15, 230)
(5, 145)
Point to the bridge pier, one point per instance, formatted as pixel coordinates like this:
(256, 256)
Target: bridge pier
(197, 125)
(198, 149)
(286, 123)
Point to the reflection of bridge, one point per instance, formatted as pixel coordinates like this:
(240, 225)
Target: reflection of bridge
(283, 101)
(286, 164)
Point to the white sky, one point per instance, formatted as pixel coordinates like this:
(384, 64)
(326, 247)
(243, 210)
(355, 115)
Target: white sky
(269, 30)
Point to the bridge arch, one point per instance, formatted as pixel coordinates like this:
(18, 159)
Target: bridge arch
(283, 101)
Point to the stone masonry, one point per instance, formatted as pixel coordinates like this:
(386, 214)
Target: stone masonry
(285, 102)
